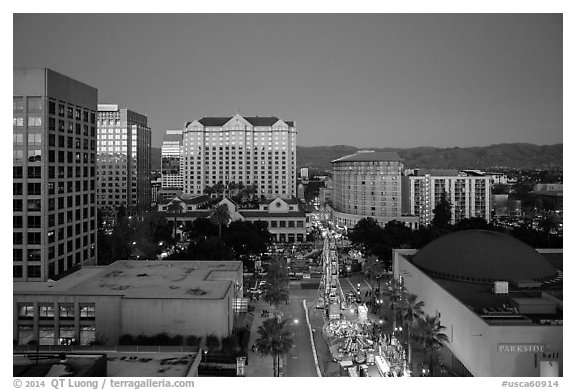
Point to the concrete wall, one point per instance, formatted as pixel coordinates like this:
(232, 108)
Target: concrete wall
(175, 316)
(472, 340)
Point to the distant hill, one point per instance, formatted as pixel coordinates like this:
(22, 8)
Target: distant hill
(517, 155)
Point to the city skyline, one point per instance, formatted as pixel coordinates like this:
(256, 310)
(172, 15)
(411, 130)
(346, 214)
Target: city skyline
(385, 80)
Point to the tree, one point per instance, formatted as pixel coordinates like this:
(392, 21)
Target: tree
(220, 216)
(428, 334)
(210, 248)
(175, 207)
(374, 269)
(277, 280)
(442, 212)
(212, 342)
(274, 340)
(472, 223)
(411, 311)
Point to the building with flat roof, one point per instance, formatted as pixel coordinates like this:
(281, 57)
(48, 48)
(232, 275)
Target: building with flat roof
(258, 151)
(469, 193)
(54, 174)
(102, 303)
(171, 159)
(368, 184)
(124, 171)
(499, 300)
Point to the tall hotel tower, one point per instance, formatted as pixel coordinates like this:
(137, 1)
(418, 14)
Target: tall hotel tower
(171, 156)
(124, 140)
(258, 151)
(54, 171)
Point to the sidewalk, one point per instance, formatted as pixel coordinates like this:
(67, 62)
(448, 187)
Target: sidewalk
(258, 365)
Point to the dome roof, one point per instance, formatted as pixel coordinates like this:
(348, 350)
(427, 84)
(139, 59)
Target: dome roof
(483, 256)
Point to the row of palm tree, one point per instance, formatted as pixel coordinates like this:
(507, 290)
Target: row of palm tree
(420, 328)
(220, 214)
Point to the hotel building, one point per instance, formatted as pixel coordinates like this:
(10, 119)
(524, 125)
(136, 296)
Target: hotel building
(257, 151)
(123, 160)
(54, 174)
(368, 184)
(468, 194)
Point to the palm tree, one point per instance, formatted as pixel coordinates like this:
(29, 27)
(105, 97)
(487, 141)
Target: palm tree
(411, 311)
(395, 293)
(274, 340)
(174, 207)
(374, 269)
(428, 334)
(220, 216)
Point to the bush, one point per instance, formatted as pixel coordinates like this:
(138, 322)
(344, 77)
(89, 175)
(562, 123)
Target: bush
(230, 344)
(193, 340)
(212, 343)
(126, 339)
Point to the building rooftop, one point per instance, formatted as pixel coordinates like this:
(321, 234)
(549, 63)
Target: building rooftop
(266, 214)
(253, 120)
(173, 136)
(369, 155)
(144, 279)
(483, 256)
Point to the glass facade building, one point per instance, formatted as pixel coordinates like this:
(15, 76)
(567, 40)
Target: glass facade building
(54, 174)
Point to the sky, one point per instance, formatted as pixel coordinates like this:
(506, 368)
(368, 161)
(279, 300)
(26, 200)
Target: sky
(365, 80)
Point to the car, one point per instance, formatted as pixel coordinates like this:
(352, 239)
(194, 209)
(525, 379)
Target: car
(254, 291)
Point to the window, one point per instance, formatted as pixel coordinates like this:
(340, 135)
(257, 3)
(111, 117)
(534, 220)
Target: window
(25, 310)
(34, 238)
(18, 104)
(87, 311)
(34, 155)
(17, 204)
(18, 139)
(34, 139)
(87, 335)
(46, 310)
(46, 335)
(34, 104)
(17, 172)
(17, 238)
(34, 188)
(34, 221)
(34, 205)
(66, 310)
(17, 254)
(34, 121)
(17, 188)
(52, 108)
(17, 271)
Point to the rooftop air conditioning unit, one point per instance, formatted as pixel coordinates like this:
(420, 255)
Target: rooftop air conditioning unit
(500, 287)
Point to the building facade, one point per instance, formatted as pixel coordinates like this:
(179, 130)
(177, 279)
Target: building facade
(258, 151)
(124, 177)
(512, 332)
(468, 195)
(171, 159)
(368, 184)
(54, 174)
(102, 303)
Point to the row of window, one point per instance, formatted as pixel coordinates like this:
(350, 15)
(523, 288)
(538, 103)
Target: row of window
(47, 335)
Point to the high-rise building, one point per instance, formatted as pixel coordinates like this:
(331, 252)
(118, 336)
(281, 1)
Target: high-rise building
(124, 178)
(468, 195)
(368, 184)
(304, 173)
(171, 156)
(258, 151)
(54, 174)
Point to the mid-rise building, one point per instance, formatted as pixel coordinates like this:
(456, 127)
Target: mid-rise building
(258, 151)
(468, 194)
(171, 159)
(124, 142)
(368, 184)
(304, 173)
(54, 174)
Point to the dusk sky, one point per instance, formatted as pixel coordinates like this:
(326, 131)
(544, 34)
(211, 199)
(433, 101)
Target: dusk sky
(377, 80)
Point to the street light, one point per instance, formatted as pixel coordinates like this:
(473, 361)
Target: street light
(205, 356)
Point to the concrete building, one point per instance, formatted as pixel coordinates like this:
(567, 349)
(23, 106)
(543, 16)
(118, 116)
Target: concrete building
(499, 300)
(171, 159)
(368, 184)
(54, 174)
(549, 196)
(102, 303)
(257, 151)
(285, 218)
(124, 172)
(304, 174)
(469, 194)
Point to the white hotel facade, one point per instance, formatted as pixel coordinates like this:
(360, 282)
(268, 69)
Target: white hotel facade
(257, 151)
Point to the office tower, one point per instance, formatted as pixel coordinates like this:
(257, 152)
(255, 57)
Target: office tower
(124, 178)
(468, 194)
(304, 173)
(54, 171)
(258, 151)
(368, 184)
(171, 156)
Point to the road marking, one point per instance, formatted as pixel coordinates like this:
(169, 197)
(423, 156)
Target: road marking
(353, 288)
(370, 287)
(311, 339)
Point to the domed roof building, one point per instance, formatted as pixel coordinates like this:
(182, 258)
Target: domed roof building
(483, 256)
